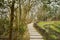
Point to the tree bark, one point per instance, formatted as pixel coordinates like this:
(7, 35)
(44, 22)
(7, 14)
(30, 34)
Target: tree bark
(11, 20)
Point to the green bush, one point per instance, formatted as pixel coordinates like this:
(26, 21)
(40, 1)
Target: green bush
(52, 28)
(22, 28)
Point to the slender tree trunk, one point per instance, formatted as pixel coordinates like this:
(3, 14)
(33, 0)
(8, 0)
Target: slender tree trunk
(11, 20)
(20, 9)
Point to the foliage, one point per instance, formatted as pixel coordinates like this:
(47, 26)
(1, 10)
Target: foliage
(52, 28)
(46, 10)
(22, 28)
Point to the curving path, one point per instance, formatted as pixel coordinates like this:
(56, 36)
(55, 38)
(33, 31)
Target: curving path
(34, 35)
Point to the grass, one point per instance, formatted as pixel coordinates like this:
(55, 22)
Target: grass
(52, 28)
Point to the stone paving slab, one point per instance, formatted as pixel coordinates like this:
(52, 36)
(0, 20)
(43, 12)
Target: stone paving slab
(36, 39)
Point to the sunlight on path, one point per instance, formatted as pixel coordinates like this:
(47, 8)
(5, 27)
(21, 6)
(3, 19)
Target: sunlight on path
(34, 35)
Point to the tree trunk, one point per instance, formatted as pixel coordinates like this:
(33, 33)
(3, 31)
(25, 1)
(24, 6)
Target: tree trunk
(11, 20)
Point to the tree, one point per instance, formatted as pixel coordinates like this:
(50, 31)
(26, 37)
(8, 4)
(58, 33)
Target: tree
(11, 20)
